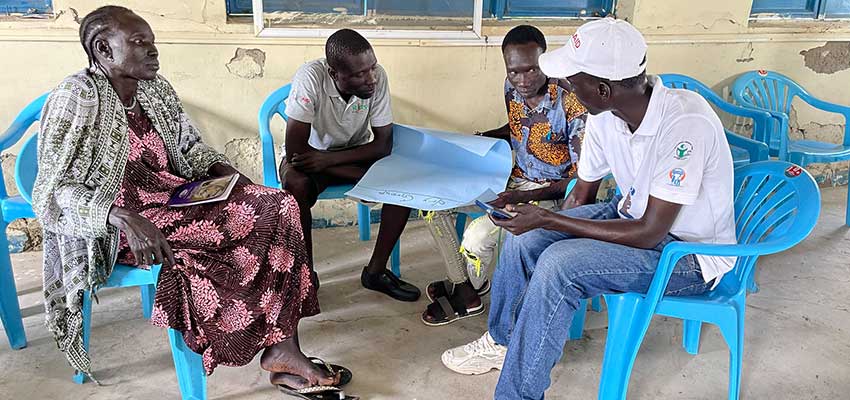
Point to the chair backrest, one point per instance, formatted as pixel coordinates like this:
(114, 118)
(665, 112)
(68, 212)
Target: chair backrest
(274, 104)
(776, 206)
(767, 90)
(762, 122)
(677, 81)
(26, 166)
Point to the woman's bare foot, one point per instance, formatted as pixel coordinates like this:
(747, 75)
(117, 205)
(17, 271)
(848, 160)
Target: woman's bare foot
(285, 357)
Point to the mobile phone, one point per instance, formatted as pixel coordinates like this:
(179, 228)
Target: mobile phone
(495, 212)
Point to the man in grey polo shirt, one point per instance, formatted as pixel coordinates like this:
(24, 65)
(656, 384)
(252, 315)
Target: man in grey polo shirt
(334, 102)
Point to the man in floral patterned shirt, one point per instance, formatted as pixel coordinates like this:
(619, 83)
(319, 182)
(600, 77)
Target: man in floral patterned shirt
(545, 128)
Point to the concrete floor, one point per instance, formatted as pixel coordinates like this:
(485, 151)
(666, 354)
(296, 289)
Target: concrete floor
(797, 344)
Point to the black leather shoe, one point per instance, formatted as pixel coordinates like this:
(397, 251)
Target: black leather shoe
(387, 283)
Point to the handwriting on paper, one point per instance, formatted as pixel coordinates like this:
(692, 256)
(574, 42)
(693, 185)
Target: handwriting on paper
(399, 196)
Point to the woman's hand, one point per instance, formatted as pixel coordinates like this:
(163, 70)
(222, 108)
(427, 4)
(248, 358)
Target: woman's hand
(221, 169)
(146, 241)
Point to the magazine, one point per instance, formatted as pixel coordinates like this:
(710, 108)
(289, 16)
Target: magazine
(206, 191)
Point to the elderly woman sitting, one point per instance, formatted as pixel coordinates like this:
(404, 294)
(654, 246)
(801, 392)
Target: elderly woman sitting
(114, 144)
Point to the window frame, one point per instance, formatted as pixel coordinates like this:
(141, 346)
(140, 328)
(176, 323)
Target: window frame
(260, 30)
(498, 8)
(475, 33)
(23, 6)
(817, 13)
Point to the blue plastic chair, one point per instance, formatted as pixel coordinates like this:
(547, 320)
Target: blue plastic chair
(12, 208)
(744, 150)
(26, 169)
(774, 92)
(276, 104)
(190, 372)
(773, 212)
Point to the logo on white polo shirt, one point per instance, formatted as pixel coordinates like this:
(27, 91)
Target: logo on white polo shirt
(683, 150)
(360, 106)
(677, 175)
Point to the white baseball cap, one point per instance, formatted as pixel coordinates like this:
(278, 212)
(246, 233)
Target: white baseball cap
(606, 48)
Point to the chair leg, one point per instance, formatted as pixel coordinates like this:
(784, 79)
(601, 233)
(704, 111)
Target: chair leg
(596, 304)
(628, 319)
(690, 336)
(395, 259)
(189, 367)
(148, 294)
(460, 225)
(577, 325)
(10, 309)
(733, 333)
(752, 285)
(847, 210)
(364, 221)
(79, 377)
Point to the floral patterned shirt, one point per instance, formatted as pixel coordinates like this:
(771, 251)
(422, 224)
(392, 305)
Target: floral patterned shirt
(547, 139)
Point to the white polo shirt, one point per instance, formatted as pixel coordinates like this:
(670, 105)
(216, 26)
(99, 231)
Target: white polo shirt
(336, 124)
(678, 154)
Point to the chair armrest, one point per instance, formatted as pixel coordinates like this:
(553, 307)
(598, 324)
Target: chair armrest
(676, 250)
(754, 113)
(833, 108)
(758, 150)
(776, 125)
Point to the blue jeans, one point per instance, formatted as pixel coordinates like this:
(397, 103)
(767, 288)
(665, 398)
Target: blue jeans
(540, 278)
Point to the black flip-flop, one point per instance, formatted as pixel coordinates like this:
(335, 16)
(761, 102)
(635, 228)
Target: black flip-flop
(345, 374)
(322, 392)
(446, 288)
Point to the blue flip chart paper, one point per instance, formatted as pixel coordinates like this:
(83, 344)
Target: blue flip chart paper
(435, 170)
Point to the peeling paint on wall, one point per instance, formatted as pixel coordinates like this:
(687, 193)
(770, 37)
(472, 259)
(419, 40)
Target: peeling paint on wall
(825, 174)
(245, 155)
(829, 58)
(76, 15)
(247, 63)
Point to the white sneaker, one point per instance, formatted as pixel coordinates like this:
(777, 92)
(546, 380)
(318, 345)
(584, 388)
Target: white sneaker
(477, 357)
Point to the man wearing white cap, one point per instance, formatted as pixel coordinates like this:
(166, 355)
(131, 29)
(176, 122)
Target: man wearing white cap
(665, 148)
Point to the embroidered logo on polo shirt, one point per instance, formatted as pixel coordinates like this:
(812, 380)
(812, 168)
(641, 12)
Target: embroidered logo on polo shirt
(305, 100)
(683, 150)
(677, 175)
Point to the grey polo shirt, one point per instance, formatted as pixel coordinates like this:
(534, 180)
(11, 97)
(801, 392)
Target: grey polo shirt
(336, 124)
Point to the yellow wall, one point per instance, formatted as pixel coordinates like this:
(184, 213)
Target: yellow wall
(454, 86)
